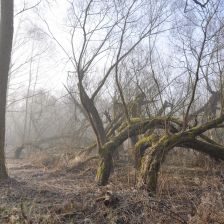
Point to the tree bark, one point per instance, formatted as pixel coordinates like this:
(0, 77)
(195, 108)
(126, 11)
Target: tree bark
(153, 159)
(93, 116)
(6, 36)
(136, 128)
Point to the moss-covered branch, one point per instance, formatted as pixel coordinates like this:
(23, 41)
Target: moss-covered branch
(154, 157)
(136, 128)
(142, 145)
(214, 151)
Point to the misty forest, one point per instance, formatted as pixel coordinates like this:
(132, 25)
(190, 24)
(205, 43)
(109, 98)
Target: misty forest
(112, 111)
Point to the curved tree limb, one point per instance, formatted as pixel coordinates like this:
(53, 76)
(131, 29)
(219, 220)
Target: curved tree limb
(155, 156)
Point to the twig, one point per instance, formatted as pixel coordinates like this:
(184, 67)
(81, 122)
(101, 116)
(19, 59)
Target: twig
(26, 9)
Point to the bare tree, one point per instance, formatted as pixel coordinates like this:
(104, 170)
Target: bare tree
(109, 33)
(101, 36)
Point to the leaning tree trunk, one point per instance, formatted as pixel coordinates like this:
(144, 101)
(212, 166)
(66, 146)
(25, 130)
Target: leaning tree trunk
(152, 160)
(136, 128)
(93, 116)
(6, 36)
(106, 162)
(154, 157)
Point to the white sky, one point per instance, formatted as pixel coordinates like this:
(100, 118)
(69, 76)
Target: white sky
(52, 72)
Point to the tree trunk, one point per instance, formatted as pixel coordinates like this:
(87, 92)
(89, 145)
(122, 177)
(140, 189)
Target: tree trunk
(93, 116)
(106, 162)
(153, 159)
(6, 36)
(137, 127)
(18, 152)
(104, 169)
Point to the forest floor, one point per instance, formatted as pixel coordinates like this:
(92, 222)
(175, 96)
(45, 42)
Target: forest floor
(39, 194)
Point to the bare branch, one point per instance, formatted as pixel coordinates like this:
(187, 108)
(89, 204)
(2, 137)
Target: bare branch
(26, 9)
(201, 4)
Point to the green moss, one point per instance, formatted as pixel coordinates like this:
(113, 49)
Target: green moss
(122, 126)
(103, 171)
(149, 139)
(135, 120)
(142, 141)
(125, 124)
(100, 171)
(167, 140)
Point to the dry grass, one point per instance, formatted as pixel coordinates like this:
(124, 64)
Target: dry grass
(46, 191)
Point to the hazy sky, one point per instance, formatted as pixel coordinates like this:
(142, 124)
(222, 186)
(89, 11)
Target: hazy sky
(49, 63)
(29, 42)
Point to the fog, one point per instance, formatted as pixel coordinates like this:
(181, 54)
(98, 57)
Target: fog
(42, 66)
(118, 99)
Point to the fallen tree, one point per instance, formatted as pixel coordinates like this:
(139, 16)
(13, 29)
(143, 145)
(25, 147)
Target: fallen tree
(149, 161)
(38, 144)
(155, 155)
